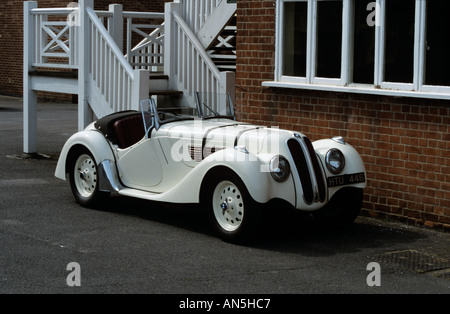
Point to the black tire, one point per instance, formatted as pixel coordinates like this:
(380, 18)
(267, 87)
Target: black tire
(343, 208)
(233, 214)
(83, 177)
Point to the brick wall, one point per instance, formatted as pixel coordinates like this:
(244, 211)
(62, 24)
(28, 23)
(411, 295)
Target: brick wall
(404, 142)
(11, 38)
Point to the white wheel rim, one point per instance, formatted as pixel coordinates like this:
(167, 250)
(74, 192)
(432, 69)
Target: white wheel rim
(85, 175)
(228, 206)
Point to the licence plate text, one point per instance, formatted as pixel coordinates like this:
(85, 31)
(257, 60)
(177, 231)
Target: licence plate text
(346, 179)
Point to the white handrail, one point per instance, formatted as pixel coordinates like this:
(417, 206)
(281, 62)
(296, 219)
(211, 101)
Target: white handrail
(196, 43)
(196, 12)
(53, 11)
(143, 15)
(149, 52)
(192, 69)
(108, 39)
(112, 76)
(54, 39)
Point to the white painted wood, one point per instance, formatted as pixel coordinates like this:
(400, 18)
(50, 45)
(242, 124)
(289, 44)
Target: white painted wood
(370, 90)
(348, 15)
(54, 84)
(312, 41)
(227, 87)
(116, 24)
(182, 69)
(379, 44)
(170, 40)
(215, 23)
(85, 114)
(29, 96)
(52, 11)
(140, 89)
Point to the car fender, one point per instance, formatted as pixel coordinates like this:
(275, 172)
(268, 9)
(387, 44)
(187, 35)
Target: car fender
(93, 140)
(353, 161)
(246, 165)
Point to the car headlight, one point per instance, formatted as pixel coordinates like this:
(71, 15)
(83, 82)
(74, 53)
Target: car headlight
(279, 168)
(335, 161)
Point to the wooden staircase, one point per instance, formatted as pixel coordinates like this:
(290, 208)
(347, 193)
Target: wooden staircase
(81, 51)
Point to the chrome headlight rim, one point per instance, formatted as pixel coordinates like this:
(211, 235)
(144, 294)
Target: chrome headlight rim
(280, 168)
(331, 156)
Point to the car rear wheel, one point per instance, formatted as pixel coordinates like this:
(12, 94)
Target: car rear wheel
(233, 213)
(83, 176)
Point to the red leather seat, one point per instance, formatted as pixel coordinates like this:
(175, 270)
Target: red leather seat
(129, 130)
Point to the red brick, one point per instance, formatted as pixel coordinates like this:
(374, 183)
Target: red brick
(405, 142)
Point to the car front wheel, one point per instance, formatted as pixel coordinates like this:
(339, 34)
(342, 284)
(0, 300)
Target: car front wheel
(233, 213)
(83, 176)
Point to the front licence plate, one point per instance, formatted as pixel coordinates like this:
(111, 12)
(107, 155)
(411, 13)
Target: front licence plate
(346, 179)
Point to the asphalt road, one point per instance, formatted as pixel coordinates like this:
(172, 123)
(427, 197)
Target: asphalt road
(132, 246)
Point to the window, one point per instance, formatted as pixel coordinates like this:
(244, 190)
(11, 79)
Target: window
(340, 45)
(438, 43)
(399, 41)
(329, 39)
(294, 41)
(363, 46)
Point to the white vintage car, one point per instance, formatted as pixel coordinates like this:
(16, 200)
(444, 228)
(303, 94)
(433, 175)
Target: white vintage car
(196, 156)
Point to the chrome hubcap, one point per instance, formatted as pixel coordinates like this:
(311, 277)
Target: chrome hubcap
(228, 206)
(85, 175)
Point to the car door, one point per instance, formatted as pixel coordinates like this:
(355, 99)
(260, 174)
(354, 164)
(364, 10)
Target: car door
(140, 166)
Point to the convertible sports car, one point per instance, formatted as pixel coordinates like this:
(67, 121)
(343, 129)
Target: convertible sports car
(195, 155)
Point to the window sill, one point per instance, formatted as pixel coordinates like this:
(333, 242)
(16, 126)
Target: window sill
(358, 90)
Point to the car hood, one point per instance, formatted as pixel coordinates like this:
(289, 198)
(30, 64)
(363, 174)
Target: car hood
(224, 133)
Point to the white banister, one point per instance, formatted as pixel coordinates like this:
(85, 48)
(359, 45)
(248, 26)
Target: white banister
(107, 40)
(114, 85)
(149, 52)
(54, 40)
(197, 12)
(191, 69)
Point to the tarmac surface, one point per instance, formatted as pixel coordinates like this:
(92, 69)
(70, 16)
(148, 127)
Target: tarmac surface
(133, 246)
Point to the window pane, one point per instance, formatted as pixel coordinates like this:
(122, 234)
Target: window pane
(399, 49)
(294, 38)
(364, 45)
(438, 43)
(329, 39)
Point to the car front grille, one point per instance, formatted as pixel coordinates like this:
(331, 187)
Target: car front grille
(308, 169)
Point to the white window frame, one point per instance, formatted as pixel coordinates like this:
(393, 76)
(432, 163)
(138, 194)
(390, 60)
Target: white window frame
(311, 50)
(345, 83)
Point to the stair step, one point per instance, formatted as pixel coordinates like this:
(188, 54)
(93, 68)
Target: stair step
(165, 93)
(222, 49)
(158, 76)
(228, 32)
(223, 68)
(59, 74)
(231, 57)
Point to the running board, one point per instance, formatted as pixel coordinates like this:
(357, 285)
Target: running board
(149, 196)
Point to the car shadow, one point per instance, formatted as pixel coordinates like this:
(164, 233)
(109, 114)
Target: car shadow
(283, 230)
(185, 216)
(301, 234)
